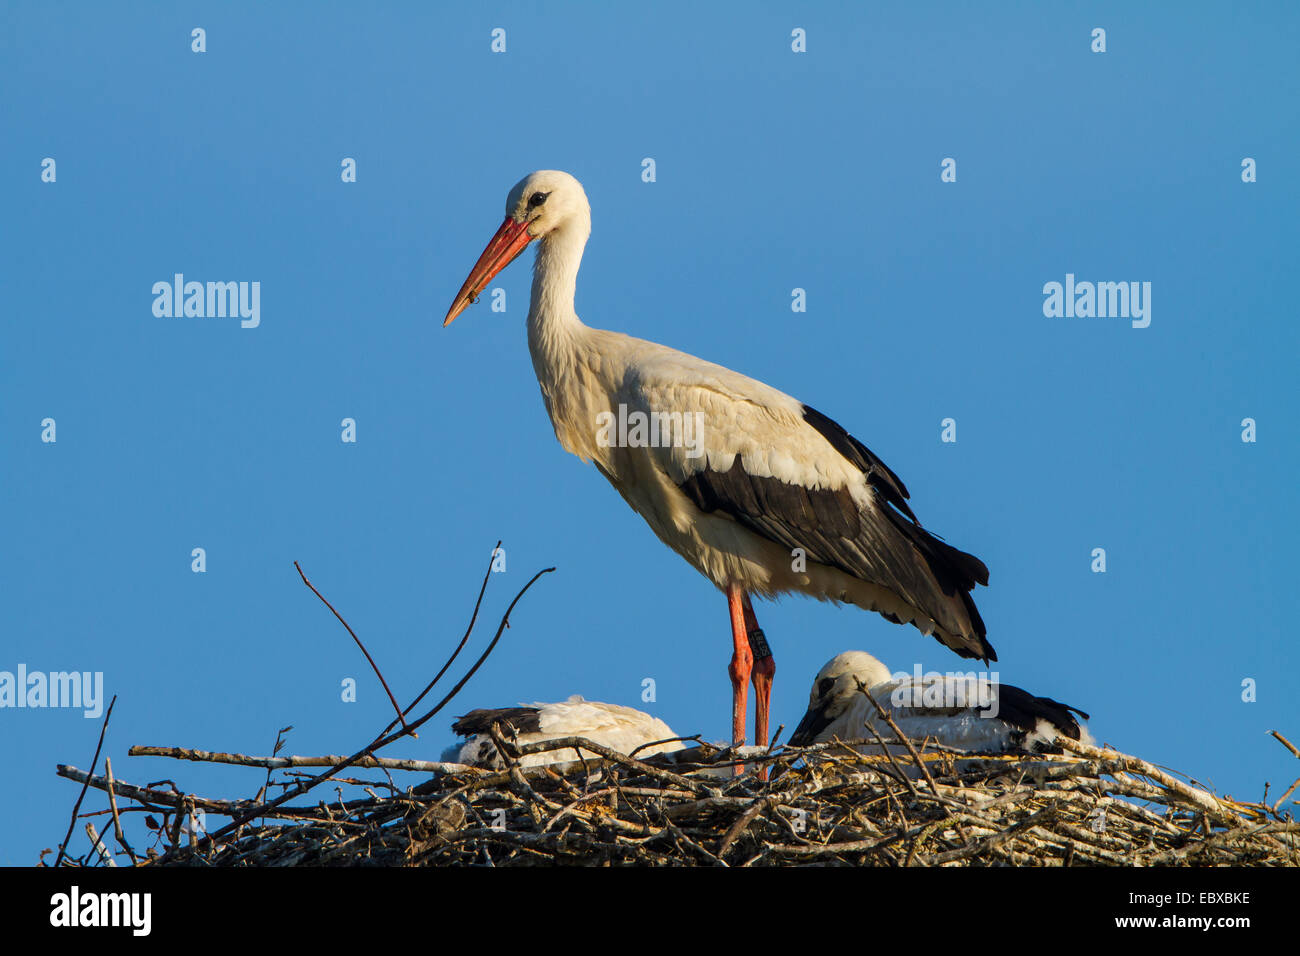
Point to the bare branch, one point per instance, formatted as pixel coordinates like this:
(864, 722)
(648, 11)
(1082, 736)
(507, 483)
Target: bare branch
(373, 665)
(58, 860)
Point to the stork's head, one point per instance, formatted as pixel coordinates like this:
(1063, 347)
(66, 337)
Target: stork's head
(543, 205)
(834, 689)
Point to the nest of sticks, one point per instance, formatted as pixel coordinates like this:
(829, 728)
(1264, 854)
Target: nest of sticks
(908, 803)
(914, 805)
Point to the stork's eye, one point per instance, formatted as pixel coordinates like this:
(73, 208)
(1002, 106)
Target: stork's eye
(536, 199)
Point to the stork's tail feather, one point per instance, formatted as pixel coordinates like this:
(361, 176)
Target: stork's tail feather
(957, 573)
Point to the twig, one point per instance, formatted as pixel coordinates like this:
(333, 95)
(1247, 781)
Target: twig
(1286, 743)
(983, 846)
(97, 844)
(117, 820)
(81, 796)
(901, 736)
(1282, 799)
(737, 828)
(373, 665)
(284, 763)
(456, 653)
(567, 743)
(1114, 759)
(772, 745)
(892, 762)
(367, 750)
(279, 742)
(1291, 789)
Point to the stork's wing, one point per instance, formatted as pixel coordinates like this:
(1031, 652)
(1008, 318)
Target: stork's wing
(1024, 710)
(519, 720)
(956, 710)
(793, 476)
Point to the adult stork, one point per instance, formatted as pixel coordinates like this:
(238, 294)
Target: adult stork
(759, 492)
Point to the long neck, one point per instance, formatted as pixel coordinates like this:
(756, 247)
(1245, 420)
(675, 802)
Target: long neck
(553, 325)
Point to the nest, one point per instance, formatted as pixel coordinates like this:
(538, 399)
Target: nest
(905, 803)
(913, 805)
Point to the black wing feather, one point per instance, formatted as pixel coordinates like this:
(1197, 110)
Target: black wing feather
(1023, 710)
(888, 484)
(522, 720)
(828, 525)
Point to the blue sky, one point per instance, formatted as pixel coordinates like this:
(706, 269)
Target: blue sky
(775, 170)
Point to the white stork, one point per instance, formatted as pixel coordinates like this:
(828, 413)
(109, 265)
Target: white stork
(760, 493)
(611, 725)
(955, 710)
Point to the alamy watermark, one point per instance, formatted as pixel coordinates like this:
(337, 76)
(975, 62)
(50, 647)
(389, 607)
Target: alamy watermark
(212, 300)
(1102, 300)
(638, 429)
(951, 689)
(83, 689)
(75, 908)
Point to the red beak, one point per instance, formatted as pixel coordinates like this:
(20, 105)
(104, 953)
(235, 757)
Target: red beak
(500, 252)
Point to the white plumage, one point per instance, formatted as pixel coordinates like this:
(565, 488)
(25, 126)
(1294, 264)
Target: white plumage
(619, 728)
(955, 710)
(763, 495)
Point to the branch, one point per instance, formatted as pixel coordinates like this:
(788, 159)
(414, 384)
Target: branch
(378, 743)
(1286, 743)
(456, 653)
(117, 820)
(1291, 789)
(166, 800)
(281, 763)
(373, 665)
(901, 736)
(63, 847)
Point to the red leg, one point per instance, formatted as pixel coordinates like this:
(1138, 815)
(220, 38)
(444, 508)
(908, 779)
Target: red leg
(764, 670)
(742, 662)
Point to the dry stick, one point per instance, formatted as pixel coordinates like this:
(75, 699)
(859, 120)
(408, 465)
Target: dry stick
(567, 743)
(456, 653)
(117, 821)
(379, 742)
(901, 736)
(279, 742)
(512, 768)
(878, 843)
(1214, 842)
(679, 833)
(176, 824)
(164, 802)
(1286, 743)
(373, 665)
(1112, 760)
(575, 806)
(1291, 789)
(621, 793)
(63, 847)
(892, 762)
(739, 827)
(928, 831)
(97, 844)
(777, 814)
(666, 740)
(988, 843)
(284, 763)
(1282, 799)
(772, 746)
